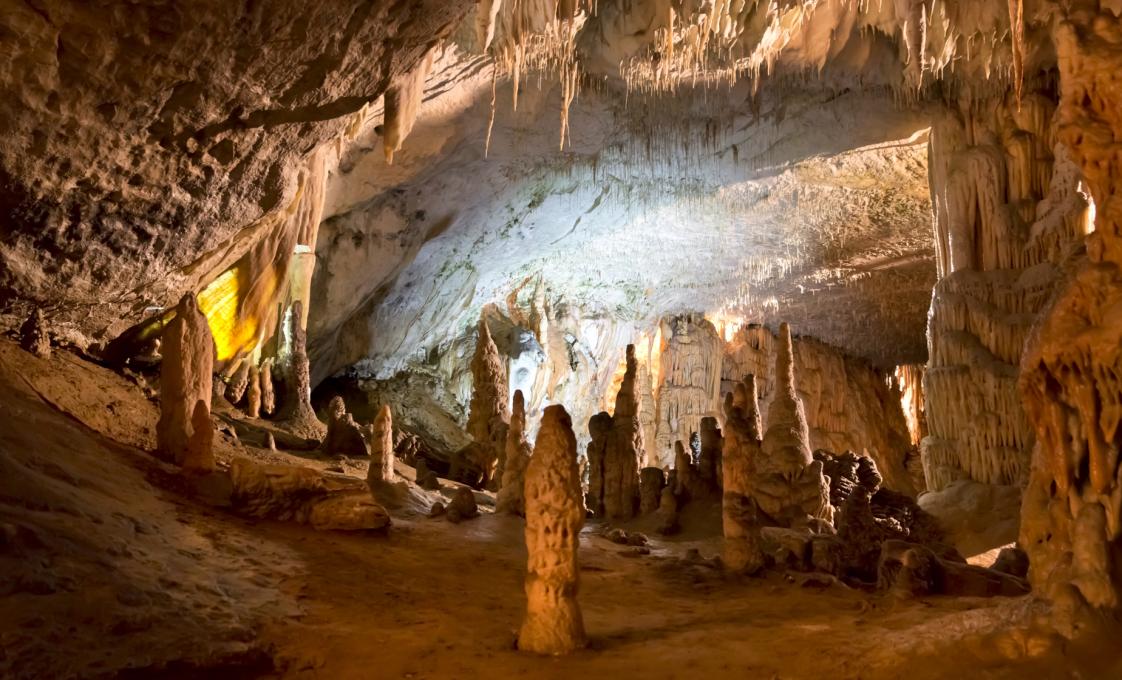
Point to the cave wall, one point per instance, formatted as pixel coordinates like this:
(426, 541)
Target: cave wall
(137, 139)
(1009, 213)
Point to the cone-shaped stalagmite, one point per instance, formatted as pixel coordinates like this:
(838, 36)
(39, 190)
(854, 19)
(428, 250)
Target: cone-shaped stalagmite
(488, 418)
(625, 453)
(787, 438)
(184, 432)
(511, 498)
(554, 516)
(381, 447)
(741, 450)
(789, 484)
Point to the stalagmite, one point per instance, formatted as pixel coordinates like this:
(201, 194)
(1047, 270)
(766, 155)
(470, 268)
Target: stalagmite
(668, 512)
(344, 436)
(33, 335)
(685, 477)
(739, 522)
(381, 448)
(488, 418)
(235, 389)
(625, 453)
(296, 412)
(253, 398)
(651, 482)
(268, 395)
(788, 484)
(600, 432)
(512, 498)
(554, 516)
(184, 432)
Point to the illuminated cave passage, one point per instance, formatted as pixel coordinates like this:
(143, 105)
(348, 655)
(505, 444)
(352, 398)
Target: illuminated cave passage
(435, 339)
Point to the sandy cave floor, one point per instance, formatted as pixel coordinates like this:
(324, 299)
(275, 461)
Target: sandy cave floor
(107, 564)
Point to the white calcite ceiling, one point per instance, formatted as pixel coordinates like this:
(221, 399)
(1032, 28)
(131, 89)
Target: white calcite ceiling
(810, 205)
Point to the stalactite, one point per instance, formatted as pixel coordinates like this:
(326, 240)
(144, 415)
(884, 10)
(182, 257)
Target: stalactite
(402, 102)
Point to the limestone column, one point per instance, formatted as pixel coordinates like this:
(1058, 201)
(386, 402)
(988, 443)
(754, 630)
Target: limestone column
(184, 432)
(554, 516)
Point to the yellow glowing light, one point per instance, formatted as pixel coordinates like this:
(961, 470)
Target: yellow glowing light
(220, 302)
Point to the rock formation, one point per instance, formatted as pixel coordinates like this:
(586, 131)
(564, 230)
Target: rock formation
(600, 432)
(686, 481)
(381, 448)
(344, 436)
(34, 336)
(651, 482)
(788, 483)
(554, 516)
(268, 394)
(511, 497)
(253, 393)
(741, 450)
(462, 506)
(238, 383)
(689, 386)
(488, 418)
(296, 412)
(625, 453)
(184, 432)
(709, 461)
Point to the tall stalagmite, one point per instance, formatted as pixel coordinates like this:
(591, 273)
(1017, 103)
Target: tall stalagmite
(554, 516)
(739, 522)
(381, 447)
(600, 433)
(512, 494)
(789, 484)
(625, 453)
(488, 418)
(296, 413)
(184, 432)
(709, 462)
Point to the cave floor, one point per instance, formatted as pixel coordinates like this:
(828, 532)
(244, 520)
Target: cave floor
(108, 565)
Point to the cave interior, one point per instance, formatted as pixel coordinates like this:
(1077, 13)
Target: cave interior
(561, 338)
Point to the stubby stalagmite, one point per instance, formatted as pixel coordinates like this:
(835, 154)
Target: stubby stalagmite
(184, 433)
(554, 516)
(381, 447)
